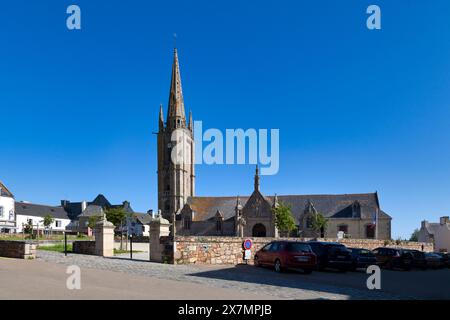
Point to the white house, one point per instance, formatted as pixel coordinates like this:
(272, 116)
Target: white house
(35, 213)
(438, 233)
(7, 216)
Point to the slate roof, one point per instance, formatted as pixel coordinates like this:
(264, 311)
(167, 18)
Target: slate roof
(38, 210)
(75, 208)
(432, 228)
(4, 192)
(92, 211)
(331, 206)
(143, 218)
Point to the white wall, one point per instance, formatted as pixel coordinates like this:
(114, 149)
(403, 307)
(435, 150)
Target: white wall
(7, 204)
(20, 219)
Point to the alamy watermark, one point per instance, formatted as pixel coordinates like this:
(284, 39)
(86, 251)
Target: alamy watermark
(73, 282)
(236, 146)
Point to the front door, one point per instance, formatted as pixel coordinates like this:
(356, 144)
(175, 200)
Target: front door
(259, 230)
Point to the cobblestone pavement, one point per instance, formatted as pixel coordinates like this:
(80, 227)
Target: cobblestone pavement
(243, 278)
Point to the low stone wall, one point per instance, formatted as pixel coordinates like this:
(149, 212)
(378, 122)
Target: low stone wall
(84, 247)
(17, 249)
(228, 250)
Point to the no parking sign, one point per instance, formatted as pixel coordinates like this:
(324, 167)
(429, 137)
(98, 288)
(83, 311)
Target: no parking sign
(248, 244)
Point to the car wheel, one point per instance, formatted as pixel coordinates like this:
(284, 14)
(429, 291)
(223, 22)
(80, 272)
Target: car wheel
(277, 266)
(256, 261)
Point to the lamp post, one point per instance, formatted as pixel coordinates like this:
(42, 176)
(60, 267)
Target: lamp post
(131, 246)
(65, 243)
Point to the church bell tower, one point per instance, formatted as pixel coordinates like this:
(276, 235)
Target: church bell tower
(176, 179)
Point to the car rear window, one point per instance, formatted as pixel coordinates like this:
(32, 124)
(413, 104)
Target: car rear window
(298, 247)
(365, 253)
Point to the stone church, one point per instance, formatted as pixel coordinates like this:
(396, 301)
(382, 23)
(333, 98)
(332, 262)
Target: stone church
(357, 215)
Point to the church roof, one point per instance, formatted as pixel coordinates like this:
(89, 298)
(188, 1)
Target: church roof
(4, 192)
(206, 207)
(331, 206)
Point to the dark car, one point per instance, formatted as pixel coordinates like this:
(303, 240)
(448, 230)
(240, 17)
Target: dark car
(419, 260)
(362, 258)
(392, 258)
(434, 260)
(445, 258)
(331, 255)
(286, 255)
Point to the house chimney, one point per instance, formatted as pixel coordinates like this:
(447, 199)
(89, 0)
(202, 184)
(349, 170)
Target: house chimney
(424, 224)
(83, 206)
(444, 220)
(64, 203)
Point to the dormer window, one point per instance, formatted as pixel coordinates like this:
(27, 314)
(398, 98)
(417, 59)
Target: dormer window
(187, 222)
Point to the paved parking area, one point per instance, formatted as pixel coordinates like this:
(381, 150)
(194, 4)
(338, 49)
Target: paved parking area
(252, 281)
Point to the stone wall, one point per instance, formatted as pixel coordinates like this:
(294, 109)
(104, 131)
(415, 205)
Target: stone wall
(228, 250)
(84, 247)
(17, 249)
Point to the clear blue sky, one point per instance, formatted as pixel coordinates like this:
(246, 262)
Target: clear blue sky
(358, 110)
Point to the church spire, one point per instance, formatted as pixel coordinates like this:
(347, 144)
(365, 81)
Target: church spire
(257, 179)
(161, 117)
(176, 116)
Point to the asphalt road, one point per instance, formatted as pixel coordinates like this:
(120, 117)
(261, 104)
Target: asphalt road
(47, 281)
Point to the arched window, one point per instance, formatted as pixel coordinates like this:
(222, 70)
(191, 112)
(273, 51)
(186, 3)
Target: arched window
(356, 210)
(219, 225)
(309, 222)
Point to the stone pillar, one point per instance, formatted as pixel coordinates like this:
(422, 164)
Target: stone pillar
(104, 238)
(159, 227)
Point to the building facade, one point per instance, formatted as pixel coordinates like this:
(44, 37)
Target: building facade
(7, 210)
(437, 233)
(356, 215)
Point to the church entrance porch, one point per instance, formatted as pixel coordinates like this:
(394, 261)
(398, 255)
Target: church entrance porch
(259, 230)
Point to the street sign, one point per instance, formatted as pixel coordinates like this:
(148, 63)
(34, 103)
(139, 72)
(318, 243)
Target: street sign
(248, 254)
(248, 244)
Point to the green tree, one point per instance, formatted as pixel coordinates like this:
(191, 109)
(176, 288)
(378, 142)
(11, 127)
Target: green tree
(414, 236)
(116, 215)
(28, 229)
(48, 220)
(284, 219)
(319, 224)
(92, 220)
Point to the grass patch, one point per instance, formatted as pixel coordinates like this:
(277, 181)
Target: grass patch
(118, 251)
(56, 248)
(58, 237)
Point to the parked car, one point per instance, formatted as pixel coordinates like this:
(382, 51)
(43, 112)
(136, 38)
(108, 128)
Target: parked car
(445, 257)
(285, 255)
(419, 260)
(331, 255)
(392, 258)
(434, 260)
(362, 258)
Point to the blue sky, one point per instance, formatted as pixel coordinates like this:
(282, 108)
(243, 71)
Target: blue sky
(358, 110)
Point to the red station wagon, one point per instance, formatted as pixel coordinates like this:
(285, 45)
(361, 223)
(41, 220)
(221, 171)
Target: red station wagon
(287, 254)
